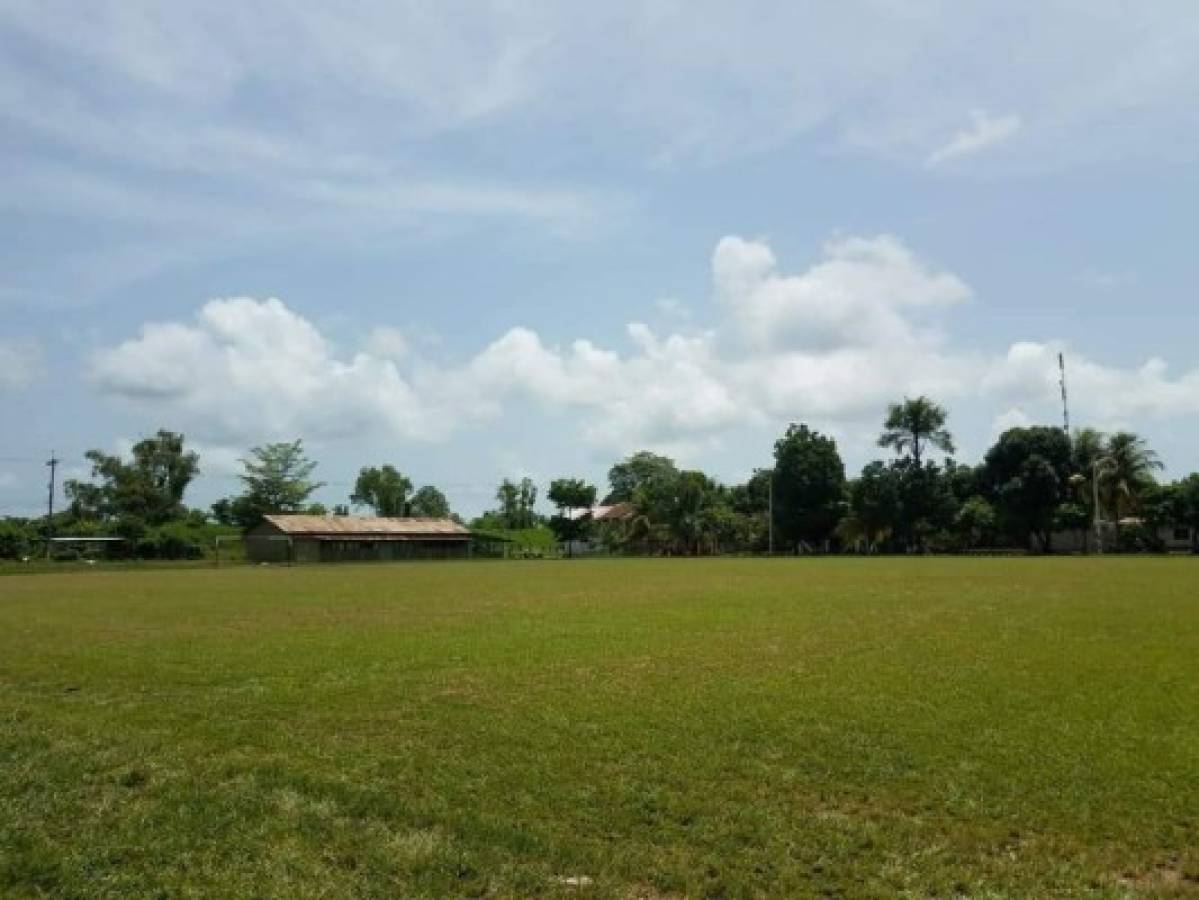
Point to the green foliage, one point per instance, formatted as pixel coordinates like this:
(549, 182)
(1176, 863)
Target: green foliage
(539, 541)
(809, 487)
(1186, 508)
(150, 486)
(874, 501)
(277, 479)
(975, 523)
(175, 540)
(1028, 472)
(222, 511)
(429, 503)
(912, 426)
(753, 497)
(627, 477)
(384, 489)
(17, 538)
(682, 505)
(927, 505)
(1127, 470)
(574, 499)
(517, 502)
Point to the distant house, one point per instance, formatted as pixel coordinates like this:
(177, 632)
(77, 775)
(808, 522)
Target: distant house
(1170, 539)
(611, 514)
(282, 538)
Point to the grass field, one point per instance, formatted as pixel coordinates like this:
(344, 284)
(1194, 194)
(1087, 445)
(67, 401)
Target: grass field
(700, 728)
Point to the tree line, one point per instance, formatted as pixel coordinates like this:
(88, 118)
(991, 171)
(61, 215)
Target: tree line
(1034, 483)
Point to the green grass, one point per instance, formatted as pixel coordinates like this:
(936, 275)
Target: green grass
(721, 728)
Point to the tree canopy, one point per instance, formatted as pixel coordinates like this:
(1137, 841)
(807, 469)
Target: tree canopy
(430, 503)
(629, 475)
(277, 479)
(809, 486)
(149, 486)
(1028, 471)
(914, 425)
(383, 489)
(574, 499)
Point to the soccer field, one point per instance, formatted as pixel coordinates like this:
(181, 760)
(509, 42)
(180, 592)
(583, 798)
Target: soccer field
(622, 728)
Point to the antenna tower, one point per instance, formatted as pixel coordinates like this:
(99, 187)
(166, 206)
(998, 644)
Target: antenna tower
(1061, 366)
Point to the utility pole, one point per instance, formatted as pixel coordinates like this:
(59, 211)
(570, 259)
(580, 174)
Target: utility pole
(52, 462)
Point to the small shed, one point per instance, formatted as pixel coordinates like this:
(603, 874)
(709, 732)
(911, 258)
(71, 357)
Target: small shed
(299, 538)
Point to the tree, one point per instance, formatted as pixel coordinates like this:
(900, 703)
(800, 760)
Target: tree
(222, 511)
(1028, 471)
(277, 479)
(429, 503)
(914, 425)
(517, 502)
(627, 476)
(508, 496)
(809, 486)
(874, 502)
(384, 489)
(679, 506)
(16, 539)
(526, 500)
(1186, 515)
(574, 499)
(150, 486)
(927, 504)
(975, 522)
(688, 510)
(1127, 470)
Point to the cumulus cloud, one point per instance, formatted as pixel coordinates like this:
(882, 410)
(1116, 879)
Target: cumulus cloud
(20, 363)
(832, 344)
(255, 368)
(985, 131)
(862, 293)
(1028, 372)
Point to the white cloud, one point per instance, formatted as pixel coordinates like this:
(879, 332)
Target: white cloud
(1011, 418)
(1029, 373)
(20, 363)
(387, 343)
(862, 293)
(832, 345)
(248, 368)
(984, 131)
(186, 132)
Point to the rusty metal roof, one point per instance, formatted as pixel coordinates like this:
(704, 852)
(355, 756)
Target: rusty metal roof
(614, 513)
(364, 526)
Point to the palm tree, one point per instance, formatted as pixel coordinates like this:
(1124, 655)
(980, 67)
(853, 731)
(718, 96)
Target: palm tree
(1086, 449)
(1129, 468)
(913, 425)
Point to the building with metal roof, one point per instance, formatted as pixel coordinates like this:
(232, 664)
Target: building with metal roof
(303, 538)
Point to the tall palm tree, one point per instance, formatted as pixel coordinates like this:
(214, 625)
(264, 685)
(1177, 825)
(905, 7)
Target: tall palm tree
(914, 425)
(1129, 468)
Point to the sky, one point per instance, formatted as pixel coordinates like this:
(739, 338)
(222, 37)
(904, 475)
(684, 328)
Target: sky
(490, 239)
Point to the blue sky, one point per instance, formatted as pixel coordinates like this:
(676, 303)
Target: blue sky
(489, 239)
